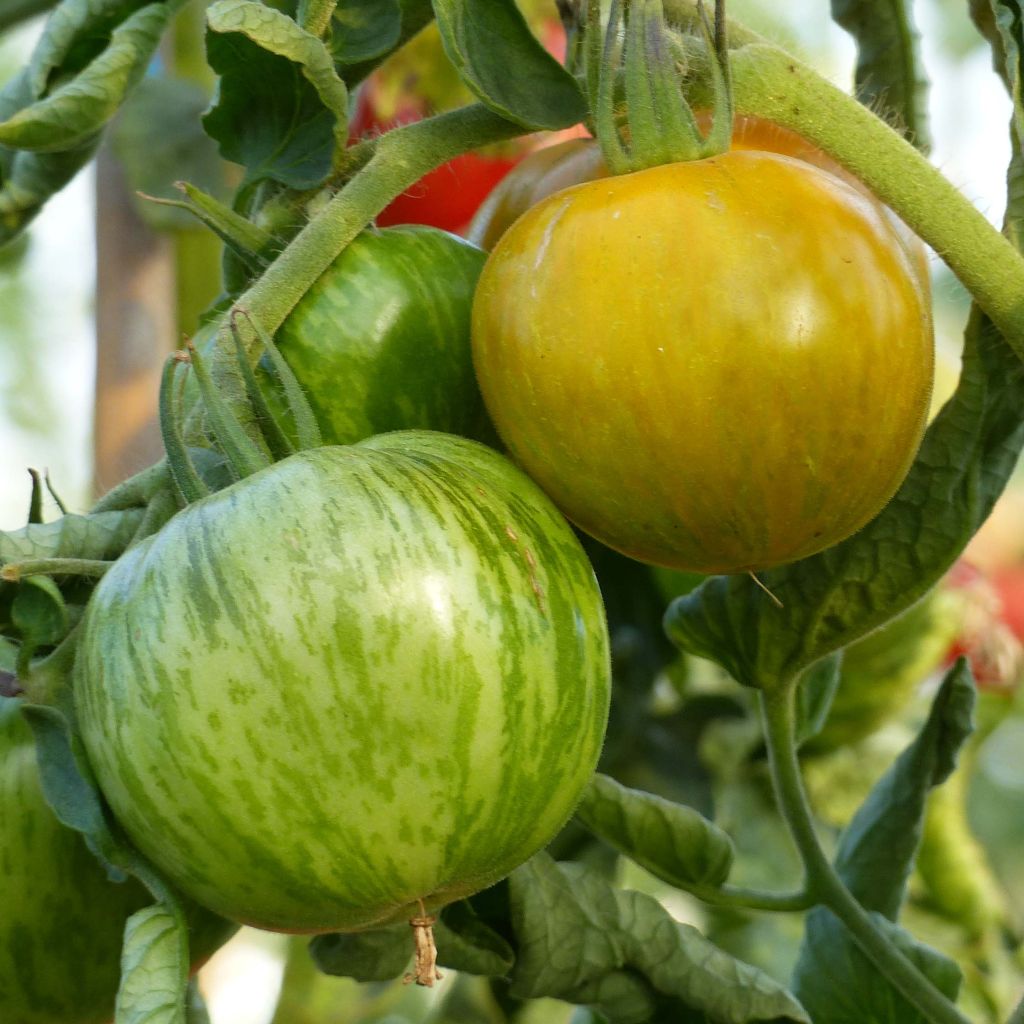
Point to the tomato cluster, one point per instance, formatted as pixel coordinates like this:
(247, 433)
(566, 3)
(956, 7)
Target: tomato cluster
(714, 366)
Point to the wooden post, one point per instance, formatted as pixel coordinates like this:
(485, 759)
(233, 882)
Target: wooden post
(136, 326)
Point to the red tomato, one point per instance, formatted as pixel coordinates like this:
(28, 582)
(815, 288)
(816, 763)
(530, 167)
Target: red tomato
(419, 81)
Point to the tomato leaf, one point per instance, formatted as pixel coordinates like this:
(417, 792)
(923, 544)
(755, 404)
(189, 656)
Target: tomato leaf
(672, 841)
(378, 955)
(1005, 32)
(155, 964)
(75, 110)
(465, 943)
(101, 535)
(838, 984)
(818, 686)
(39, 614)
(484, 39)
(888, 75)
(281, 110)
(877, 848)
(619, 952)
(365, 29)
(874, 858)
(154, 968)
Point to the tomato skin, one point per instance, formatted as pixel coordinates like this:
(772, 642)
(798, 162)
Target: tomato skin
(381, 340)
(548, 170)
(373, 673)
(717, 366)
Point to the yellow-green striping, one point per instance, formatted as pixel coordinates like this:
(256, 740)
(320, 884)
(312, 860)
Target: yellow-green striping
(381, 340)
(360, 678)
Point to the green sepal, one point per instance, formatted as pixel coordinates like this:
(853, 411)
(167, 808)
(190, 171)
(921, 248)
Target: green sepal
(35, 505)
(247, 241)
(189, 484)
(674, 842)
(277, 441)
(244, 457)
(307, 430)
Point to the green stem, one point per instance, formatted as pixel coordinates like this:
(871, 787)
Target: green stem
(823, 882)
(740, 898)
(400, 158)
(92, 567)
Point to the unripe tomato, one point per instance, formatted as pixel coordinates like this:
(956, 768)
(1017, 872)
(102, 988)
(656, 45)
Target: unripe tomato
(62, 919)
(363, 677)
(717, 366)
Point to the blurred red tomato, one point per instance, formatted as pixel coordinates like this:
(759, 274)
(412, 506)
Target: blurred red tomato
(418, 81)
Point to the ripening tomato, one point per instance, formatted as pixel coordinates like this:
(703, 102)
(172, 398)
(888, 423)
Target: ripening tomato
(717, 366)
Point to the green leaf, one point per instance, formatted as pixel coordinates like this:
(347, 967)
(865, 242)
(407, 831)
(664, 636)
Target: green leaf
(27, 180)
(874, 859)
(70, 116)
(818, 687)
(876, 851)
(154, 968)
(364, 29)
(281, 110)
(39, 613)
(67, 783)
(415, 15)
(378, 955)
(838, 984)
(843, 593)
(484, 39)
(159, 140)
(1017, 1017)
(583, 941)
(195, 1010)
(888, 76)
(1002, 21)
(670, 840)
(465, 943)
(102, 535)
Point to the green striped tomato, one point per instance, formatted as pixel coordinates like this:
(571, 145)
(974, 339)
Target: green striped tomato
(363, 677)
(62, 919)
(381, 340)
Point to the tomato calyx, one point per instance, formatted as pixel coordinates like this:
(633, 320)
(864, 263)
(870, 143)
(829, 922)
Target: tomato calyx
(659, 126)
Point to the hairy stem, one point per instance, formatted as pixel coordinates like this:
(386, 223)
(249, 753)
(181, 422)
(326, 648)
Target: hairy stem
(823, 882)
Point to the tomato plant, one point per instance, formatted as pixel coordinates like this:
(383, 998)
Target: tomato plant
(654, 414)
(324, 675)
(418, 639)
